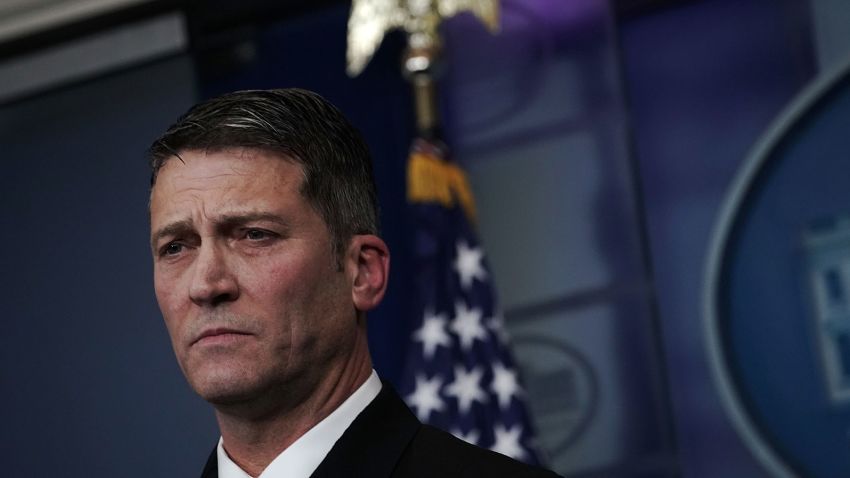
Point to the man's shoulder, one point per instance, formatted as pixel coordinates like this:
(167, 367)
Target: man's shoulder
(434, 452)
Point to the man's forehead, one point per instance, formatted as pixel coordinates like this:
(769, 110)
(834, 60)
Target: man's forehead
(229, 179)
(231, 166)
(235, 154)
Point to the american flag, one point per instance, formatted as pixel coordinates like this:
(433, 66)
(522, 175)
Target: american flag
(459, 375)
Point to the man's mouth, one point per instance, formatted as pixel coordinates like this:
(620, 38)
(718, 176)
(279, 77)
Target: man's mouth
(219, 335)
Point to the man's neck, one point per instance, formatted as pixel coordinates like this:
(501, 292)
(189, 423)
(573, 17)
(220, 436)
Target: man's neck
(253, 443)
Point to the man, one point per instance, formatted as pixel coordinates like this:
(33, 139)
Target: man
(264, 231)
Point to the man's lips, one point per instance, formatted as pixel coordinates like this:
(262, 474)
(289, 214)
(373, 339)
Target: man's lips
(219, 334)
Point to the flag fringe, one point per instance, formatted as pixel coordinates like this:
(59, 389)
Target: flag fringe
(431, 179)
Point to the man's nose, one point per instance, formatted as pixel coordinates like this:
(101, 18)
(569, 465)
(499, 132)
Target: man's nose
(213, 281)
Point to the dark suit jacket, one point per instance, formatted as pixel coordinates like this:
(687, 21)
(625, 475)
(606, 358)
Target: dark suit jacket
(387, 441)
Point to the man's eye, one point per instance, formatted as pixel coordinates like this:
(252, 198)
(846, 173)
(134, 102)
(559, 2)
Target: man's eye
(256, 234)
(171, 249)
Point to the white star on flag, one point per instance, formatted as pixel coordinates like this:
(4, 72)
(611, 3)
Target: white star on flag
(466, 387)
(468, 264)
(471, 437)
(467, 325)
(432, 333)
(426, 397)
(505, 384)
(507, 441)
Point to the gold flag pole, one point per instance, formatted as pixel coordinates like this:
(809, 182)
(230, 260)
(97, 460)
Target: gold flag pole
(371, 19)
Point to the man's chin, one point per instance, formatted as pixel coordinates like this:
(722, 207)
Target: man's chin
(251, 403)
(225, 389)
(227, 397)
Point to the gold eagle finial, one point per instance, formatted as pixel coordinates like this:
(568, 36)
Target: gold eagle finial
(370, 20)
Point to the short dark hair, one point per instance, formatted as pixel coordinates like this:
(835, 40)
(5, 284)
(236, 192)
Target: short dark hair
(302, 126)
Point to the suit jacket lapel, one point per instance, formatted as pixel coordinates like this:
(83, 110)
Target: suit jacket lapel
(374, 442)
(211, 468)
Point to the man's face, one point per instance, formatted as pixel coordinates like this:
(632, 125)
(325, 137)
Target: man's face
(244, 276)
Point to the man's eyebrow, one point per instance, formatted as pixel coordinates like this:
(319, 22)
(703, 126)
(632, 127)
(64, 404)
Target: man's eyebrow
(230, 220)
(173, 229)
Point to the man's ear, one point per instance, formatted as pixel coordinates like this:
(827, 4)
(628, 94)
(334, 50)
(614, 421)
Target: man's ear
(371, 259)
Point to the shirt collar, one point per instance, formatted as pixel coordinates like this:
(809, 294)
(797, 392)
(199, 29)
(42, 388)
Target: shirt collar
(301, 458)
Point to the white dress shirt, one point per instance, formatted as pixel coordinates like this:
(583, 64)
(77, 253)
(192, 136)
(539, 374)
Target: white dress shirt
(303, 456)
